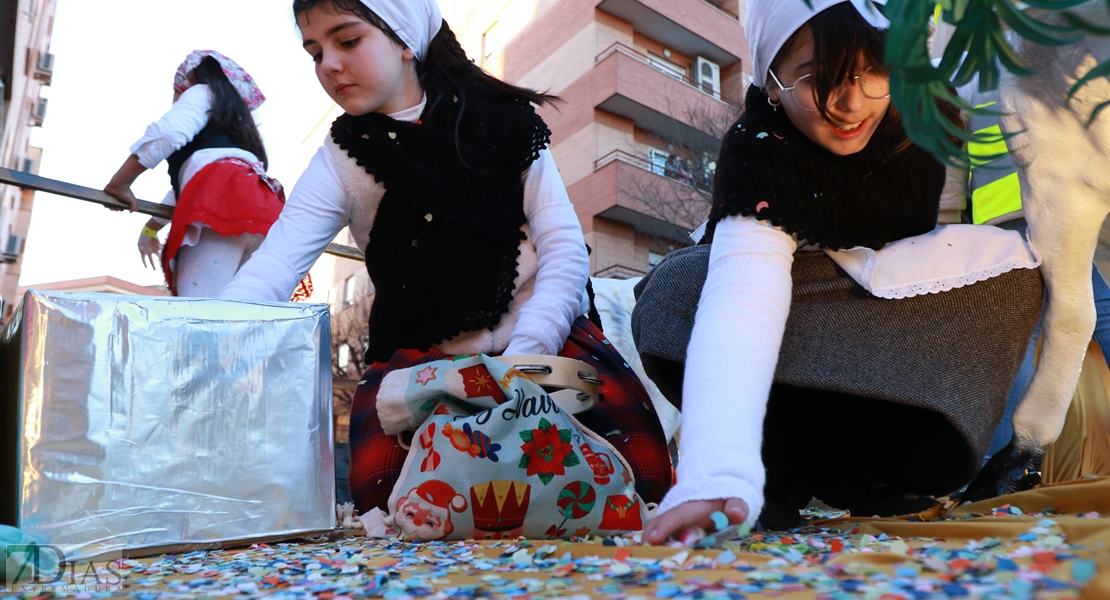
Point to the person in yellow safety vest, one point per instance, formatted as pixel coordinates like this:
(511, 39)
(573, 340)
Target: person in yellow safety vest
(995, 191)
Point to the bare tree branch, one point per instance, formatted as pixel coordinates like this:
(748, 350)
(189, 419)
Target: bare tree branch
(679, 191)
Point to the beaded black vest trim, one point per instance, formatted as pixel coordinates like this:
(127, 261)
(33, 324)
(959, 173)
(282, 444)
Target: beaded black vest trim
(444, 246)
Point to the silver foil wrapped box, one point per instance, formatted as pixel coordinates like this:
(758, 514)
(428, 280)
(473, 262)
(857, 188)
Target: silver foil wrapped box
(137, 424)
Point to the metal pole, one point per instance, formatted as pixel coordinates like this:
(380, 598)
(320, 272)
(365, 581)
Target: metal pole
(28, 181)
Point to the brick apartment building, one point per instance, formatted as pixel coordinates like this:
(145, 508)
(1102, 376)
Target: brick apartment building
(648, 87)
(26, 65)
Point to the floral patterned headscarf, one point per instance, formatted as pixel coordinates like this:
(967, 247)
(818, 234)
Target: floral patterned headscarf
(240, 79)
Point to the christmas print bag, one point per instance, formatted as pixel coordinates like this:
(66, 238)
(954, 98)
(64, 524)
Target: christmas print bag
(494, 456)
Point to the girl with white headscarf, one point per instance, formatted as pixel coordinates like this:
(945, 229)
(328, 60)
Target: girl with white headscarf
(874, 392)
(443, 176)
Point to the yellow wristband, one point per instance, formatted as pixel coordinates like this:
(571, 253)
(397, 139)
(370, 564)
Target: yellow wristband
(147, 231)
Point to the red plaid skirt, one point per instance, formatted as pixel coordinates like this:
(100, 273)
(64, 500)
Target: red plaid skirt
(624, 416)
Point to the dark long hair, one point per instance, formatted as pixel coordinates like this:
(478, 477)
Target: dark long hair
(444, 70)
(844, 44)
(229, 112)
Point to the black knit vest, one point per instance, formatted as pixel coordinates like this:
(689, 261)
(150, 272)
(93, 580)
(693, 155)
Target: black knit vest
(770, 169)
(444, 246)
(209, 137)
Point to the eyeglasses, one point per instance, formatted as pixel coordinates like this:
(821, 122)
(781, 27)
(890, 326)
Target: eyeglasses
(874, 85)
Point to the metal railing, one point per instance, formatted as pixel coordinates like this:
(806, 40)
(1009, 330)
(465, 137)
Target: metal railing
(642, 163)
(28, 181)
(36, 183)
(620, 272)
(622, 48)
(718, 4)
(624, 157)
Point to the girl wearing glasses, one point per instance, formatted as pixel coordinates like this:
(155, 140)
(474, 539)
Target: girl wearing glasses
(883, 387)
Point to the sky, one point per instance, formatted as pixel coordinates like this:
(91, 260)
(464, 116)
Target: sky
(113, 75)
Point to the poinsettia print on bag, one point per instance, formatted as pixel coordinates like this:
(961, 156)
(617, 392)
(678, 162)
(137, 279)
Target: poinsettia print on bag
(494, 457)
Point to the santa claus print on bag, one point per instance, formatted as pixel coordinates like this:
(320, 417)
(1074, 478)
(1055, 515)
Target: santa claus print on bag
(425, 512)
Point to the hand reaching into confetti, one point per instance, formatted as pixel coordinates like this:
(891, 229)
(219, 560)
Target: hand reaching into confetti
(698, 513)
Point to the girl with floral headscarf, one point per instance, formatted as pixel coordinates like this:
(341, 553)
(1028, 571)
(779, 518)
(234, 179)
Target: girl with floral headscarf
(225, 202)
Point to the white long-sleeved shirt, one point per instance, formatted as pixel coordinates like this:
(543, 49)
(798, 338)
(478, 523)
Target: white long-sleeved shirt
(743, 307)
(187, 117)
(334, 192)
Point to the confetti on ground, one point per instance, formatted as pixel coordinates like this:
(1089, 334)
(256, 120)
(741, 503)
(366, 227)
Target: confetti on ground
(995, 553)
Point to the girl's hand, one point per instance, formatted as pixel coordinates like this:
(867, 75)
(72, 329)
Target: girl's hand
(120, 185)
(122, 194)
(148, 248)
(693, 514)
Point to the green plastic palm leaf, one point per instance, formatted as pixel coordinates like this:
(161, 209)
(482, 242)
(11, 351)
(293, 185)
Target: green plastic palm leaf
(978, 48)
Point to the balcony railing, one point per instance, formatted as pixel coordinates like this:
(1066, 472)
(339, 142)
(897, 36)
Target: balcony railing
(719, 5)
(620, 272)
(646, 165)
(621, 48)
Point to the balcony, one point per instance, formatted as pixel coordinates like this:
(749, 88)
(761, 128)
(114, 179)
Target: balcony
(694, 27)
(619, 189)
(618, 47)
(620, 272)
(624, 83)
(701, 184)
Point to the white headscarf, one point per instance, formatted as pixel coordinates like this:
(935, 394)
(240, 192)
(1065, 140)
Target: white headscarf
(770, 23)
(416, 22)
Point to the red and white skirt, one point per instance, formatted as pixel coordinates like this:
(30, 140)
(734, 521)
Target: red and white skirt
(231, 197)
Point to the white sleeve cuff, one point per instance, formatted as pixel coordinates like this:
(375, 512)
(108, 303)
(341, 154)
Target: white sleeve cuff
(522, 344)
(730, 364)
(716, 488)
(265, 277)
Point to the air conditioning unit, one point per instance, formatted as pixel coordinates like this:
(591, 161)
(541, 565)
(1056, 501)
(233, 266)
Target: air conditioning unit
(12, 247)
(44, 66)
(38, 111)
(29, 166)
(708, 74)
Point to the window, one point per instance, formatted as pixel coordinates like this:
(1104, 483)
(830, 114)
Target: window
(671, 166)
(654, 258)
(349, 291)
(708, 74)
(667, 66)
(658, 160)
(343, 358)
(491, 43)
